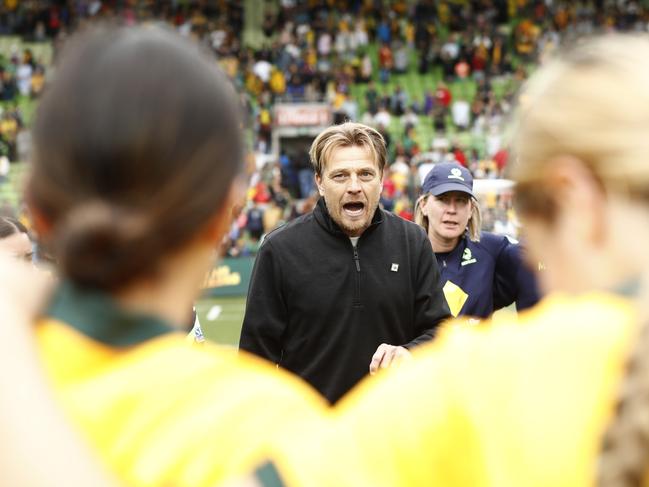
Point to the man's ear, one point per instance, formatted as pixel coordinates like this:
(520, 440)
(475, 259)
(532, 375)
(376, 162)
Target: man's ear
(318, 182)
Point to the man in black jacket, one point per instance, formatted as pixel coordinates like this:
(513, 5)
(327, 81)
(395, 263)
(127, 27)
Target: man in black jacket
(347, 287)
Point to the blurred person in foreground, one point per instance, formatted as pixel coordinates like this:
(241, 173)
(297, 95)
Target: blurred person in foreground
(131, 188)
(14, 239)
(347, 286)
(32, 424)
(481, 272)
(547, 399)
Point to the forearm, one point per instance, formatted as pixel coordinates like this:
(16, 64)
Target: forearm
(425, 337)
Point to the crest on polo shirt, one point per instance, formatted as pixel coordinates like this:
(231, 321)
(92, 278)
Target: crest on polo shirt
(467, 257)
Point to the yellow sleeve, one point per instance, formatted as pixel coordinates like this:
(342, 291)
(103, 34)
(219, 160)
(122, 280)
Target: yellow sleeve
(403, 427)
(503, 404)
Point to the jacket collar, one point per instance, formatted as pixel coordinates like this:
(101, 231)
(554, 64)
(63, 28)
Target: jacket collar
(324, 219)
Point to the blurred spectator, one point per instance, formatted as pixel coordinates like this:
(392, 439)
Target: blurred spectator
(385, 62)
(410, 119)
(4, 168)
(9, 126)
(37, 81)
(398, 101)
(264, 120)
(429, 102)
(500, 158)
(24, 73)
(15, 239)
(383, 117)
(372, 98)
(401, 60)
(443, 95)
(461, 113)
(255, 222)
(366, 68)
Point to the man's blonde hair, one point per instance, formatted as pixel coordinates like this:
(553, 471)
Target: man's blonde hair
(348, 134)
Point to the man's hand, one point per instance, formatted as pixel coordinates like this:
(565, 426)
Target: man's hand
(386, 355)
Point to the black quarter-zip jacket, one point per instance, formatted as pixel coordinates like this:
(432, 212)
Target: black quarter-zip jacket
(320, 308)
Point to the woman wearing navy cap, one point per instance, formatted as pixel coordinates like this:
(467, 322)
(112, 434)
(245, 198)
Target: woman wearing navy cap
(481, 272)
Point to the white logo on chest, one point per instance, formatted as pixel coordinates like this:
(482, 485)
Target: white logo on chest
(467, 258)
(394, 268)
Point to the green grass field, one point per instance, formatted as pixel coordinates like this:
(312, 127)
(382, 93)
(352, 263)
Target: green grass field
(221, 318)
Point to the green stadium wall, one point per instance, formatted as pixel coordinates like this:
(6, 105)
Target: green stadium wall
(230, 277)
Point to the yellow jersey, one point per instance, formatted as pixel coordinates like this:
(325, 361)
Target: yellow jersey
(507, 404)
(157, 410)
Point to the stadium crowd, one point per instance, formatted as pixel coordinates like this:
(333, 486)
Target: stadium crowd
(437, 79)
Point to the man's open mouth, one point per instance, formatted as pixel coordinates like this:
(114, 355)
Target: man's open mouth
(354, 208)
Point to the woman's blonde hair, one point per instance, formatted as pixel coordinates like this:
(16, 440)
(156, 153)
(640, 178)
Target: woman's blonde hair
(473, 227)
(592, 104)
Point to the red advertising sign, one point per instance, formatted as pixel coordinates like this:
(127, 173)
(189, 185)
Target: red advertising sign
(296, 115)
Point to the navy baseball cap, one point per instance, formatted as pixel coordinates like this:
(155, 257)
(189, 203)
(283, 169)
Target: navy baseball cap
(448, 176)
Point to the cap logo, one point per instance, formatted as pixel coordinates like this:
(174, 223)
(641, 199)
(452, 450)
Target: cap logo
(456, 174)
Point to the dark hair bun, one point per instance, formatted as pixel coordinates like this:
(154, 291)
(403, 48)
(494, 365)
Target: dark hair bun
(104, 246)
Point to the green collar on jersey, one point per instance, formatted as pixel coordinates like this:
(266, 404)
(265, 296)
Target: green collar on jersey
(267, 476)
(98, 316)
(629, 288)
